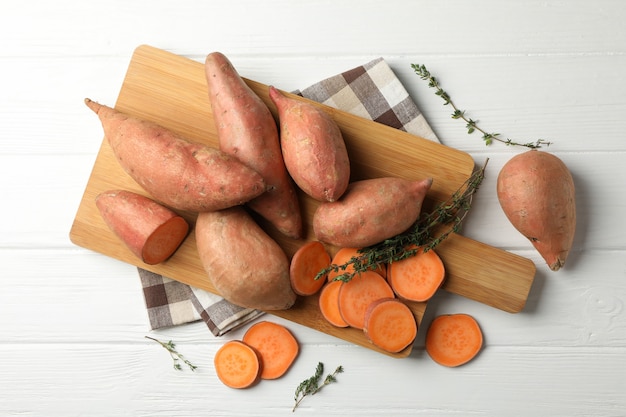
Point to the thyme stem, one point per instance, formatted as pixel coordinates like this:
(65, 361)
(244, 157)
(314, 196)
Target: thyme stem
(470, 124)
(176, 357)
(311, 386)
(426, 233)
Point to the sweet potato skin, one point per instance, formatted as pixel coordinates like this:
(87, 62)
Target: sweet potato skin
(313, 148)
(151, 231)
(370, 211)
(179, 173)
(247, 130)
(244, 264)
(537, 194)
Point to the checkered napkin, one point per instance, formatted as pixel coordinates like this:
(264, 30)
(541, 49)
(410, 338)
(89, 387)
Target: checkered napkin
(371, 91)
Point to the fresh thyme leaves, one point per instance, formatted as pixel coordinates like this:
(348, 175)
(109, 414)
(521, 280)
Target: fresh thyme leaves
(311, 386)
(426, 233)
(471, 125)
(176, 357)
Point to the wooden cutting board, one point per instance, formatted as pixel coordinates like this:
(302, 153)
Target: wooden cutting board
(171, 90)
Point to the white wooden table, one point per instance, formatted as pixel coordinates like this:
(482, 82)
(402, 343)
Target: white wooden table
(72, 322)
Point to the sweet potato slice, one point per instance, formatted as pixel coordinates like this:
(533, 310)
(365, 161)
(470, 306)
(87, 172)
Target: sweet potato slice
(237, 365)
(356, 295)
(329, 303)
(417, 278)
(390, 324)
(343, 256)
(453, 339)
(306, 263)
(276, 346)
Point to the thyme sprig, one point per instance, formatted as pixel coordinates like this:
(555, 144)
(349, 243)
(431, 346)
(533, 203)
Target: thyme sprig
(470, 124)
(176, 357)
(311, 386)
(428, 231)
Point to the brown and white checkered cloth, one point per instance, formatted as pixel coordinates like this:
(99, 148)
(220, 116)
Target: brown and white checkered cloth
(371, 91)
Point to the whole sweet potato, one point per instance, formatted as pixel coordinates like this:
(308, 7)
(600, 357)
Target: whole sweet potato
(313, 148)
(244, 264)
(247, 130)
(370, 211)
(151, 231)
(175, 171)
(537, 194)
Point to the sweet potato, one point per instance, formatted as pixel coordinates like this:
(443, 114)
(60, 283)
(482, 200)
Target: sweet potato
(179, 173)
(356, 295)
(276, 345)
(536, 192)
(244, 264)
(313, 148)
(306, 263)
(370, 211)
(390, 324)
(453, 339)
(237, 365)
(329, 303)
(417, 278)
(247, 130)
(151, 231)
(345, 255)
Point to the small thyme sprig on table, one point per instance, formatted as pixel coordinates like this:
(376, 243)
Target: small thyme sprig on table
(471, 125)
(176, 357)
(426, 233)
(311, 386)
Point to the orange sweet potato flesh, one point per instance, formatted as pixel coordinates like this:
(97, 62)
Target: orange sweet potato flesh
(237, 365)
(370, 211)
(246, 129)
(179, 173)
(329, 303)
(313, 148)
(418, 277)
(356, 295)
(151, 231)
(453, 339)
(244, 264)
(536, 192)
(390, 324)
(276, 345)
(343, 256)
(306, 263)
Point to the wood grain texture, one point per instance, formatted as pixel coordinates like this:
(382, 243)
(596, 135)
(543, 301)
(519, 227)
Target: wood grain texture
(138, 380)
(171, 90)
(73, 321)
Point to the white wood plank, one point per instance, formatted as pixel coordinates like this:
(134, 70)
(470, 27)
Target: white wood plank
(44, 113)
(353, 27)
(78, 296)
(43, 199)
(524, 98)
(526, 69)
(598, 202)
(138, 380)
(61, 185)
(575, 102)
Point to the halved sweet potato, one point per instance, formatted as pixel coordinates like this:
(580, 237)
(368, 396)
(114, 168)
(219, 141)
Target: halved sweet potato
(150, 230)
